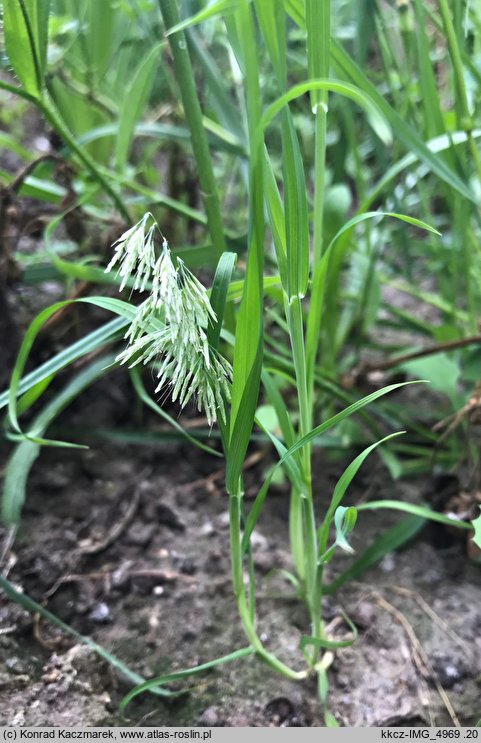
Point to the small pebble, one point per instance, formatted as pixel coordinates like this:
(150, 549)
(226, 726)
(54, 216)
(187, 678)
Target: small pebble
(210, 718)
(388, 563)
(100, 614)
(259, 541)
(140, 535)
(15, 665)
(168, 517)
(207, 529)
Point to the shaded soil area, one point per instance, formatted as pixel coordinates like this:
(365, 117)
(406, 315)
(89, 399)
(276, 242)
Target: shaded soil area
(130, 546)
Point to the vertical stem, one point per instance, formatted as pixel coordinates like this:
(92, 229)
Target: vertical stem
(243, 606)
(318, 23)
(51, 113)
(193, 114)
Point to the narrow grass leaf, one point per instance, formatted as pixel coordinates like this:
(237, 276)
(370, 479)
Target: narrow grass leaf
(341, 486)
(366, 101)
(91, 342)
(25, 26)
(139, 387)
(233, 136)
(32, 395)
(318, 26)
(423, 511)
(404, 133)
(388, 542)
(242, 425)
(317, 642)
(436, 145)
(342, 415)
(34, 608)
(25, 454)
(218, 295)
(160, 681)
(133, 104)
(216, 8)
(123, 309)
(248, 349)
(477, 530)
(371, 215)
(17, 471)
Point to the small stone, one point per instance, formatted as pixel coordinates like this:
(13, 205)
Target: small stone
(223, 520)
(210, 718)
(388, 563)
(121, 577)
(168, 517)
(265, 561)
(207, 529)
(100, 614)
(15, 665)
(448, 671)
(363, 615)
(258, 541)
(52, 676)
(140, 535)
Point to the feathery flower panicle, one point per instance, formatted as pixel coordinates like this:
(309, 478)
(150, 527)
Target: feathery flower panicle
(187, 364)
(134, 250)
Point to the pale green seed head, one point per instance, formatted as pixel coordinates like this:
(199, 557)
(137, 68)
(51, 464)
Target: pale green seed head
(186, 363)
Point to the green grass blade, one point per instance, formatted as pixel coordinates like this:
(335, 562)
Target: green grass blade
(193, 114)
(430, 98)
(139, 387)
(371, 215)
(388, 542)
(404, 133)
(218, 294)
(9, 142)
(217, 8)
(17, 472)
(341, 486)
(366, 101)
(25, 26)
(25, 454)
(342, 415)
(248, 349)
(318, 26)
(123, 309)
(422, 511)
(133, 104)
(160, 681)
(91, 342)
(477, 530)
(241, 426)
(234, 136)
(331, 644)
(34, 608)
(295, 209)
